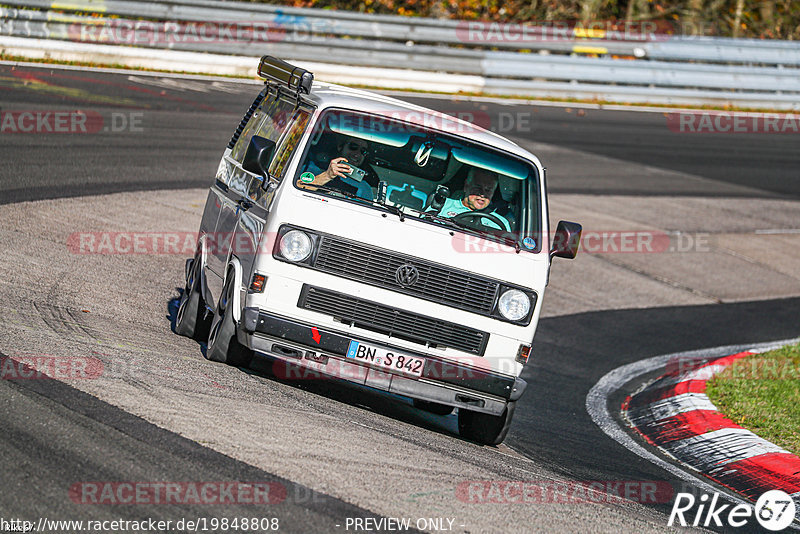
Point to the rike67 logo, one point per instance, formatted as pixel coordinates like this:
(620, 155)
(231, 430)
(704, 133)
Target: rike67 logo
(774, 510)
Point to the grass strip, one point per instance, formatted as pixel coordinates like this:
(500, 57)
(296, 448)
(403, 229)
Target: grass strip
(762, 393)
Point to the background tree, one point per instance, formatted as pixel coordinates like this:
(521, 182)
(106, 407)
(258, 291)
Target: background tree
(760, 19)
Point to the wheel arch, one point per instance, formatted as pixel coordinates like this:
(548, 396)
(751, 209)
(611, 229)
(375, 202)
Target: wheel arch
(202, 254)
(234, 266)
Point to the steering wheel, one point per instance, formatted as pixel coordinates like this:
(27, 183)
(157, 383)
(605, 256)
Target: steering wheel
(473, 218)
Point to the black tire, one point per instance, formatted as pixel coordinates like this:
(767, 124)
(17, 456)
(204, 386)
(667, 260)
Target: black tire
(433, 407)
(223, 345)
(191, 319)
(484, 428)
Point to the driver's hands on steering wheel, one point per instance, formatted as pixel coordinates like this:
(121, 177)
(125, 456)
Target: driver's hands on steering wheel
(475, 217)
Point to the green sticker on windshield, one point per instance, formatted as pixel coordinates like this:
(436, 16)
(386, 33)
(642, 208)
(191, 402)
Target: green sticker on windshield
(307, 177)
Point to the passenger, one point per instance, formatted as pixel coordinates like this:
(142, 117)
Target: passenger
(508, 198)
(353, 151)
(479, 188)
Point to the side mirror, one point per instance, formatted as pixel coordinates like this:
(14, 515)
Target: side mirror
(566, 240)
(258, 157)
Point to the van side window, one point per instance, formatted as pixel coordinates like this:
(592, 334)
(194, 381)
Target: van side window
(270, 121)
(288, 143)
(284, 150)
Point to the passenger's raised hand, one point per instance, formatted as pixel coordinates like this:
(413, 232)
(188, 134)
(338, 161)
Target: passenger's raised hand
(338, 167)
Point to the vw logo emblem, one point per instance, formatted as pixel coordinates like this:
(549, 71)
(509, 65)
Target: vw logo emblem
(406, 275)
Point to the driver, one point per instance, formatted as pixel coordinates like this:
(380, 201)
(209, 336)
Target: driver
(479, 188)
(352, 150)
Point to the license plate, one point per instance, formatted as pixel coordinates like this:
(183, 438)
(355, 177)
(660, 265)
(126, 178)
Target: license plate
(385, 359)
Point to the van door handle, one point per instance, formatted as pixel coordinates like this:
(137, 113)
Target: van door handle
(245, 204)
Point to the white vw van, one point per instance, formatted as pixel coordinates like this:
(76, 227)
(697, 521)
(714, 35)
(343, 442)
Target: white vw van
(354, 236)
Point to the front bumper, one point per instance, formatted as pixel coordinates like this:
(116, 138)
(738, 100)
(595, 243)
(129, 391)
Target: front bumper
(318, 351)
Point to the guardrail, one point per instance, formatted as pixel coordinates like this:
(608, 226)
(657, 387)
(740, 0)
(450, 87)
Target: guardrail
(505, 55)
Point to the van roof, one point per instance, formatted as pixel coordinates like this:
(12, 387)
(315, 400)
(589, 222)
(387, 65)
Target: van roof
(327, 95)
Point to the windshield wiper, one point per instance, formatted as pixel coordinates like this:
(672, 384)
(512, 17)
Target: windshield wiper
(394, 209)
(334, 190)
(446, 220)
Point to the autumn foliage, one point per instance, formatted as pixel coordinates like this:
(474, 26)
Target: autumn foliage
(760, 19)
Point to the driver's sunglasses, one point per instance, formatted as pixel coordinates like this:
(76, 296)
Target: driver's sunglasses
(355, 146)
(484, 191)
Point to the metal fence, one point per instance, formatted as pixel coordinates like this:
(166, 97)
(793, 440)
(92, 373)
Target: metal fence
(513, 59)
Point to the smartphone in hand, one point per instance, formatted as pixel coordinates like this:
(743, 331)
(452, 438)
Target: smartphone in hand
(356, 173)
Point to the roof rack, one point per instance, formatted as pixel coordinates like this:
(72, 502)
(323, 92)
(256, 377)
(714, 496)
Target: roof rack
(277, 70)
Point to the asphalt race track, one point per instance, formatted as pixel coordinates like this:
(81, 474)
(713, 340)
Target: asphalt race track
(340, 452)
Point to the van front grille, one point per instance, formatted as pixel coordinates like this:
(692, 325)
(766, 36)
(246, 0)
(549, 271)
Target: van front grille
(392, 321)
(436, 283)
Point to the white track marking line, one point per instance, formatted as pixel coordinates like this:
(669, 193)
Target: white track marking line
(644, 108)
(721, 447)
(779, 231)
(597, 405)
(672, 406)
(439, 96)
(702, 373)
(134, 72)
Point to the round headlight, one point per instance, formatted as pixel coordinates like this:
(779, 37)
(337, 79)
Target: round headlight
(295, 245)
(514, 304)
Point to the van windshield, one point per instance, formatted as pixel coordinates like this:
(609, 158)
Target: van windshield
(429, 174)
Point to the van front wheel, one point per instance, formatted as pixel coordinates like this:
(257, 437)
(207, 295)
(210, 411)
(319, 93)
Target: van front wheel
(223, 345)
(485, 428)
(190, 318)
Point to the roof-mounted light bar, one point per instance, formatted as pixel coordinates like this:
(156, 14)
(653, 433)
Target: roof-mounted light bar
(277, 70)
